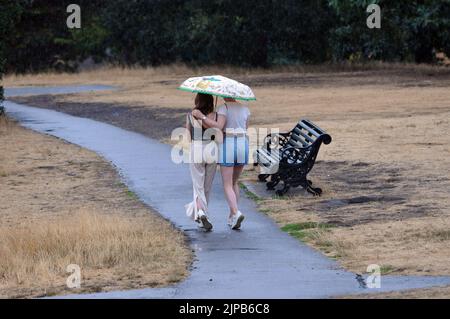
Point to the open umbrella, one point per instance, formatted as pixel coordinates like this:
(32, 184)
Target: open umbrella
(218, 85)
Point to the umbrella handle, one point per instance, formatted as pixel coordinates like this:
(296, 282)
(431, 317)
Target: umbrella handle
(215, 106)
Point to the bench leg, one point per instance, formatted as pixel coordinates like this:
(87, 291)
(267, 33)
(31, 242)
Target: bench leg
(281, 192)
(274, 180)
(307, 184)
(317, 191)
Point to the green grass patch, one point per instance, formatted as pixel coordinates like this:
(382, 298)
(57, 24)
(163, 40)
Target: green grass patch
(249, 193)
(264, 210)
(386, 269)
(305, 225)
(306, 231)
(131, 194)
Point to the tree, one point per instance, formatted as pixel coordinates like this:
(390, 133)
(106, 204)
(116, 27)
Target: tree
(9, 14)
(430, 29)
(248, 33)
(143, 32)
(300, 31)
(39, 39)
(411, 30)
(222, 32)
(245, 33)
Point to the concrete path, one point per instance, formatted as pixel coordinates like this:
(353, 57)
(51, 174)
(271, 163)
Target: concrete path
(260, 261)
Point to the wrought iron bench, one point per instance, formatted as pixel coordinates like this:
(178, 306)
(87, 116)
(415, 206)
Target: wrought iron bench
(289, 157)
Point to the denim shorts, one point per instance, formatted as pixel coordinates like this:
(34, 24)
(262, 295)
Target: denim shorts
(234, 151)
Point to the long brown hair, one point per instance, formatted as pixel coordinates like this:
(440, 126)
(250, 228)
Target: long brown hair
(204, 103)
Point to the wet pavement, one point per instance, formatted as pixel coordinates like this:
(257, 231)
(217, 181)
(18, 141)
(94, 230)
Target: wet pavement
(39, 90)
(260, 261)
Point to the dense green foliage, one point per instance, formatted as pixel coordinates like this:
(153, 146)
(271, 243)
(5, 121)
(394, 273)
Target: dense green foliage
(9, 13)
(246, 33)
(39, 38)
(412, 30)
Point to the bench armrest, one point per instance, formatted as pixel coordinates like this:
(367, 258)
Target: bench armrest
(276, 139)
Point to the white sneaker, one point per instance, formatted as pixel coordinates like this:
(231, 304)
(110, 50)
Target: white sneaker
(204, 221)
(236, 220)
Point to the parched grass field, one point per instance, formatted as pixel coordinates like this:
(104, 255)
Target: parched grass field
(385, 176)
(62, 205)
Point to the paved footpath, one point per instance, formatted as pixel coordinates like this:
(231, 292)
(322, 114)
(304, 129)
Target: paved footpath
(260, 261)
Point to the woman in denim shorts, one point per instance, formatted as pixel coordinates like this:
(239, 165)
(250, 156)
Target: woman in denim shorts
(233, 119)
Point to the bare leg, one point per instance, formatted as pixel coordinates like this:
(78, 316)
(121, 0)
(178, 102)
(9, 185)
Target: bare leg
(227, 179)
(236, 174)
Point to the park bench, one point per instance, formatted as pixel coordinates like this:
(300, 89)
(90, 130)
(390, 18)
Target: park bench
(289, 157)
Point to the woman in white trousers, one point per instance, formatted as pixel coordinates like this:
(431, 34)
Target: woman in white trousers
(202, 164)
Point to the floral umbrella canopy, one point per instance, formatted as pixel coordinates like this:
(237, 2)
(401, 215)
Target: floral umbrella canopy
(219, 86)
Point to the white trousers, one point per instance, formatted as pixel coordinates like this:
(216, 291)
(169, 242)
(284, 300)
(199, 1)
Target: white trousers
(202, 178)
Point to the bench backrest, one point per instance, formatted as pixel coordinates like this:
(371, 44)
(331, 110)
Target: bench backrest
(305, 134)
(307, 137)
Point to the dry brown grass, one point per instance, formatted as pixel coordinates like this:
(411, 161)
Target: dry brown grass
(431, 293)
(155, 86)
(37, 253)
(390, 245)
(64, 205)
(132, 75)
